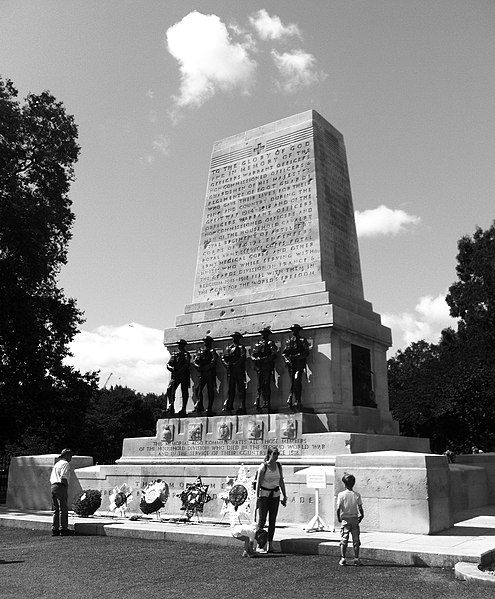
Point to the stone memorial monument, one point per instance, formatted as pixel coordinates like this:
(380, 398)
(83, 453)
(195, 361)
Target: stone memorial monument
(278, 248)
(278, 259)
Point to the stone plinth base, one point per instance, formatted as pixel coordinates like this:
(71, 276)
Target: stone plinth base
(303, 439)
(215, 447)
(29, 480)
(401, 491)
(346, 339)
(300, 506)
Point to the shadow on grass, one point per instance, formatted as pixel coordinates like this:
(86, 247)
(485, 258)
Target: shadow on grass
(6, 561)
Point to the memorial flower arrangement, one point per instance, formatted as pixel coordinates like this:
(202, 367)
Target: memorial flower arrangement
(238, 495)
(225, 493)
(120, 498)
(87, 502)
(155, 496)
(194, 497)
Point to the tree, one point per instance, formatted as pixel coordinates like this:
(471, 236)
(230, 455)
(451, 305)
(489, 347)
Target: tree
(115, 414)
(446, 391)
(472, 298)
(38, 150)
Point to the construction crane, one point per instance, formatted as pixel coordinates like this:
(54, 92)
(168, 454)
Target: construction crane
(106, 382)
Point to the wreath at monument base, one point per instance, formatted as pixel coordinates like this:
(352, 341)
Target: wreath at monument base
(87, 502)
(238, 495)
(194, 497)
(155, 495)
(120, 497)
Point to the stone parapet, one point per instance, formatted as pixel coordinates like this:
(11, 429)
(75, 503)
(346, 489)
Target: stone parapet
(401, 491)
(29, 480)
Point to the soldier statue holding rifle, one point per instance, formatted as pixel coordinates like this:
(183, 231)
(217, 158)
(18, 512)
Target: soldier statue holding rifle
(234, 360)
(206, 363)
(179, 367)
(264, 354)
(295, 354)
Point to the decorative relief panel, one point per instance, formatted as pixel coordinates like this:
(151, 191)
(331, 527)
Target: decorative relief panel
(255, 429)
(289, 429)
(225, 431)
(167, 433)
(194, 431)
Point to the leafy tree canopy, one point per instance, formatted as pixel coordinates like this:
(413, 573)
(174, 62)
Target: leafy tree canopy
(114, 414)
(38, 150)
(446, 391)
(472, 297)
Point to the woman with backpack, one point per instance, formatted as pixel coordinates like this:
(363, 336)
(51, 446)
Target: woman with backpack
(269, 484)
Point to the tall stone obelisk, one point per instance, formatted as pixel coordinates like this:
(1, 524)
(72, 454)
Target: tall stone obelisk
(278, 246)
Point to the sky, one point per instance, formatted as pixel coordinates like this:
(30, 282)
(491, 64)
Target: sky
(152, 85)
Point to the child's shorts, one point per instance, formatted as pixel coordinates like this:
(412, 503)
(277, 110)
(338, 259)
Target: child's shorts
(350, 526)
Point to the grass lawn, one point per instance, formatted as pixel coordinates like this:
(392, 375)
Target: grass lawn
(34, 565)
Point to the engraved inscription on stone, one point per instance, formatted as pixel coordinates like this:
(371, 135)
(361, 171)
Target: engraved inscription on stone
(252, 446)
(339, 252)
(260, 223)
(278, 212)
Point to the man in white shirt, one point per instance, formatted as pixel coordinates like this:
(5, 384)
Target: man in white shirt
(59, 479)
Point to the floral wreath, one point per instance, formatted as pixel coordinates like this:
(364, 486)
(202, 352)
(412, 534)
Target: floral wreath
(155, 496)
(238, 495)
(120, 498)
(194, 497)
(87, 502)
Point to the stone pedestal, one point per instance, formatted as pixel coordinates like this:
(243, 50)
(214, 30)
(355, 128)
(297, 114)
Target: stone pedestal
(401, 491)
(215, 447)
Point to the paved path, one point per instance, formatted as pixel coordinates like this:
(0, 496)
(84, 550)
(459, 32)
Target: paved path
(470, 540)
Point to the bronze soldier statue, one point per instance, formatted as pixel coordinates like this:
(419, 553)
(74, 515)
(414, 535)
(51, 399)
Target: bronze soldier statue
(179, 367)
(234, 359)
(264, 354)
(206, 363)
(295, 353)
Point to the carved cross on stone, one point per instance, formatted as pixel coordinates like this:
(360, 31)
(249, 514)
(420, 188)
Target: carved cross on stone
(258, 149)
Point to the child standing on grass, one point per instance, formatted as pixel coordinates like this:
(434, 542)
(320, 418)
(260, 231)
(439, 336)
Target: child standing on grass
(349, 514)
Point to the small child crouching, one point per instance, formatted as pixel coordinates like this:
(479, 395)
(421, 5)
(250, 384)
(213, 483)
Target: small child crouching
(349, 514)
(247, 533)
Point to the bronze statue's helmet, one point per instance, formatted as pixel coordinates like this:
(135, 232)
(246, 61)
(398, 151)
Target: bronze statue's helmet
(295, 327)
(265, 331)
(236, 335)
(208, 339)
(182, 343)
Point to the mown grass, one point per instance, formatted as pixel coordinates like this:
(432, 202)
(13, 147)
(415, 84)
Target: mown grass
(35, 565)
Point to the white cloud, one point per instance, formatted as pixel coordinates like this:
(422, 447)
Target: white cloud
(297, 69)
(431, 315)
(209, 60)
(133, 354)
(272, 28)
(383, 221)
